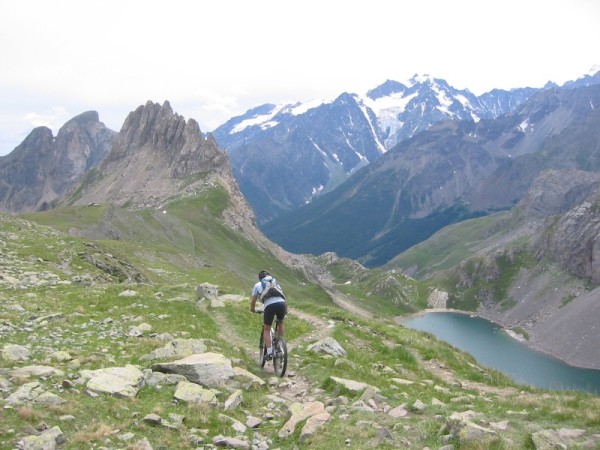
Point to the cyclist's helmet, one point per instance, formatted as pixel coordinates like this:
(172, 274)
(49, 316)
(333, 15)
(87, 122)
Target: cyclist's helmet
(262, 274)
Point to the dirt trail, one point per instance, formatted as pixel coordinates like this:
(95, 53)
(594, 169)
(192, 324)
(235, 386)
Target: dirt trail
(293, 387)
(446, 375)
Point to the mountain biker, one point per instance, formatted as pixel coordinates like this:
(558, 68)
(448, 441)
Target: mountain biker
(273, 306)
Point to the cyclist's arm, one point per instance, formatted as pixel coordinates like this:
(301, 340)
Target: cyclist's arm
(253, 303)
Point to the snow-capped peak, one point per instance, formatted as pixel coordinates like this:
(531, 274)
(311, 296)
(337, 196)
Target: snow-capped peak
(594, 70)
(269, 119)
(420, 79)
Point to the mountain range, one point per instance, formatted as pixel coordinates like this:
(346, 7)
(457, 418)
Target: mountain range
(285, 156)
(455, 170)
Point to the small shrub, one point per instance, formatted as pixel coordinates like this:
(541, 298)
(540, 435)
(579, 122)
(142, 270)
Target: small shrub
(95, 433)
(29, 414)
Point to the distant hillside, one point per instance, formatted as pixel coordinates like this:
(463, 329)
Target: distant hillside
(534, 269)
(141, 343)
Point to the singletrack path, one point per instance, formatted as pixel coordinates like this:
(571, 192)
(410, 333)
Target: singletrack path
(293, 387)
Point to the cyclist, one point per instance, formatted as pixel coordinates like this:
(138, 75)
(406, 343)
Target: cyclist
(273, 306)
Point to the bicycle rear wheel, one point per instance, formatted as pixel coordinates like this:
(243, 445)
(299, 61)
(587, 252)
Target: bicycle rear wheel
(280, 356)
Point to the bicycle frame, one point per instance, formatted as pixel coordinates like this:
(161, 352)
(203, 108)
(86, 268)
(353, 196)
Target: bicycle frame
(279, 349)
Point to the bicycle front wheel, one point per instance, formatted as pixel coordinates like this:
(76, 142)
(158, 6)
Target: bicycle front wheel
(280, 357)
(262, 351)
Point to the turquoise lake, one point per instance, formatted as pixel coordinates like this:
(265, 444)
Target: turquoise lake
(494, 348)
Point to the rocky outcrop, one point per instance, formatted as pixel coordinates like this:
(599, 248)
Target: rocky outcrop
(43, 168)
(557, 191)
(573, 239)
(156, 155)
(178, 144)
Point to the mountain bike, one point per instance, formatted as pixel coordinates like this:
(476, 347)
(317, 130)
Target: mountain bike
(280, 354)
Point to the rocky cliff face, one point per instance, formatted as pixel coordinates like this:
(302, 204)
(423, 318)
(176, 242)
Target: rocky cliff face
(43, 168)
(571, 233)
(156, 155)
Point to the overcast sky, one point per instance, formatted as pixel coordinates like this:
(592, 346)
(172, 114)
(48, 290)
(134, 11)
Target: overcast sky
(215, 59)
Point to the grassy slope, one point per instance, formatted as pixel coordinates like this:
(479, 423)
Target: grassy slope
(184, 247)
(453, 244)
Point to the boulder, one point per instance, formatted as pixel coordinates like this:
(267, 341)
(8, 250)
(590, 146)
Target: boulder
(177, 348)
(14, 352)
(119, 381)
(48, 440)
(329, 346)
(207, 369)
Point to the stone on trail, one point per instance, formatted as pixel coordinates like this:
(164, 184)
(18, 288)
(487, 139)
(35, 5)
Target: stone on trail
(303, 411)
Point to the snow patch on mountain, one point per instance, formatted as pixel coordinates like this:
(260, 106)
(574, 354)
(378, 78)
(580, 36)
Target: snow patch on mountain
(301, 108)
(523, 126)
(264, 120)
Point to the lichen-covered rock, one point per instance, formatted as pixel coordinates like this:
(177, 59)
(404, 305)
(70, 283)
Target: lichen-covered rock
(194, 393)
(48, 440)
(14, 352)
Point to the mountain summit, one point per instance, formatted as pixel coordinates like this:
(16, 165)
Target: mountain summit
(152, 159)
(312, 148)
(43, 168)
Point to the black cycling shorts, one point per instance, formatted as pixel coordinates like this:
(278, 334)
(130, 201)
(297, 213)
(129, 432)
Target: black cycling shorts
(274, 309)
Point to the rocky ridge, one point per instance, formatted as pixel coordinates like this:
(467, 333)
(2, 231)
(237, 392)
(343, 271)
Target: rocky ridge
(43, 168)
(155, 156)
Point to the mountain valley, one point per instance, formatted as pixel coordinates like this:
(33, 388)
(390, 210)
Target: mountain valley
(131, 250)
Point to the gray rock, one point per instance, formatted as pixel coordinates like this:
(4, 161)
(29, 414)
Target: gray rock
(208, 369)
(230, 442)
(47, 440)
(194, 393)
(32, 392)
(207, 291)
(36, 371)
(13, 352)
(313, 412)
(177, 348)
(158, 379)
(328, 346)
(234, 400)
(119, 381)
(352, 385)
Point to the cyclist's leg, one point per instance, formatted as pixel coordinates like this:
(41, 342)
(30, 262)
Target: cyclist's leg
(280, 313)
(268, 316)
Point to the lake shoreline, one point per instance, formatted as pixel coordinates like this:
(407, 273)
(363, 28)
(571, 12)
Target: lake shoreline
(511, 333)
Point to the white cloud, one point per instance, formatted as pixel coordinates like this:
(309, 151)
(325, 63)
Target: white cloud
(53, 119)
(214, 59)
